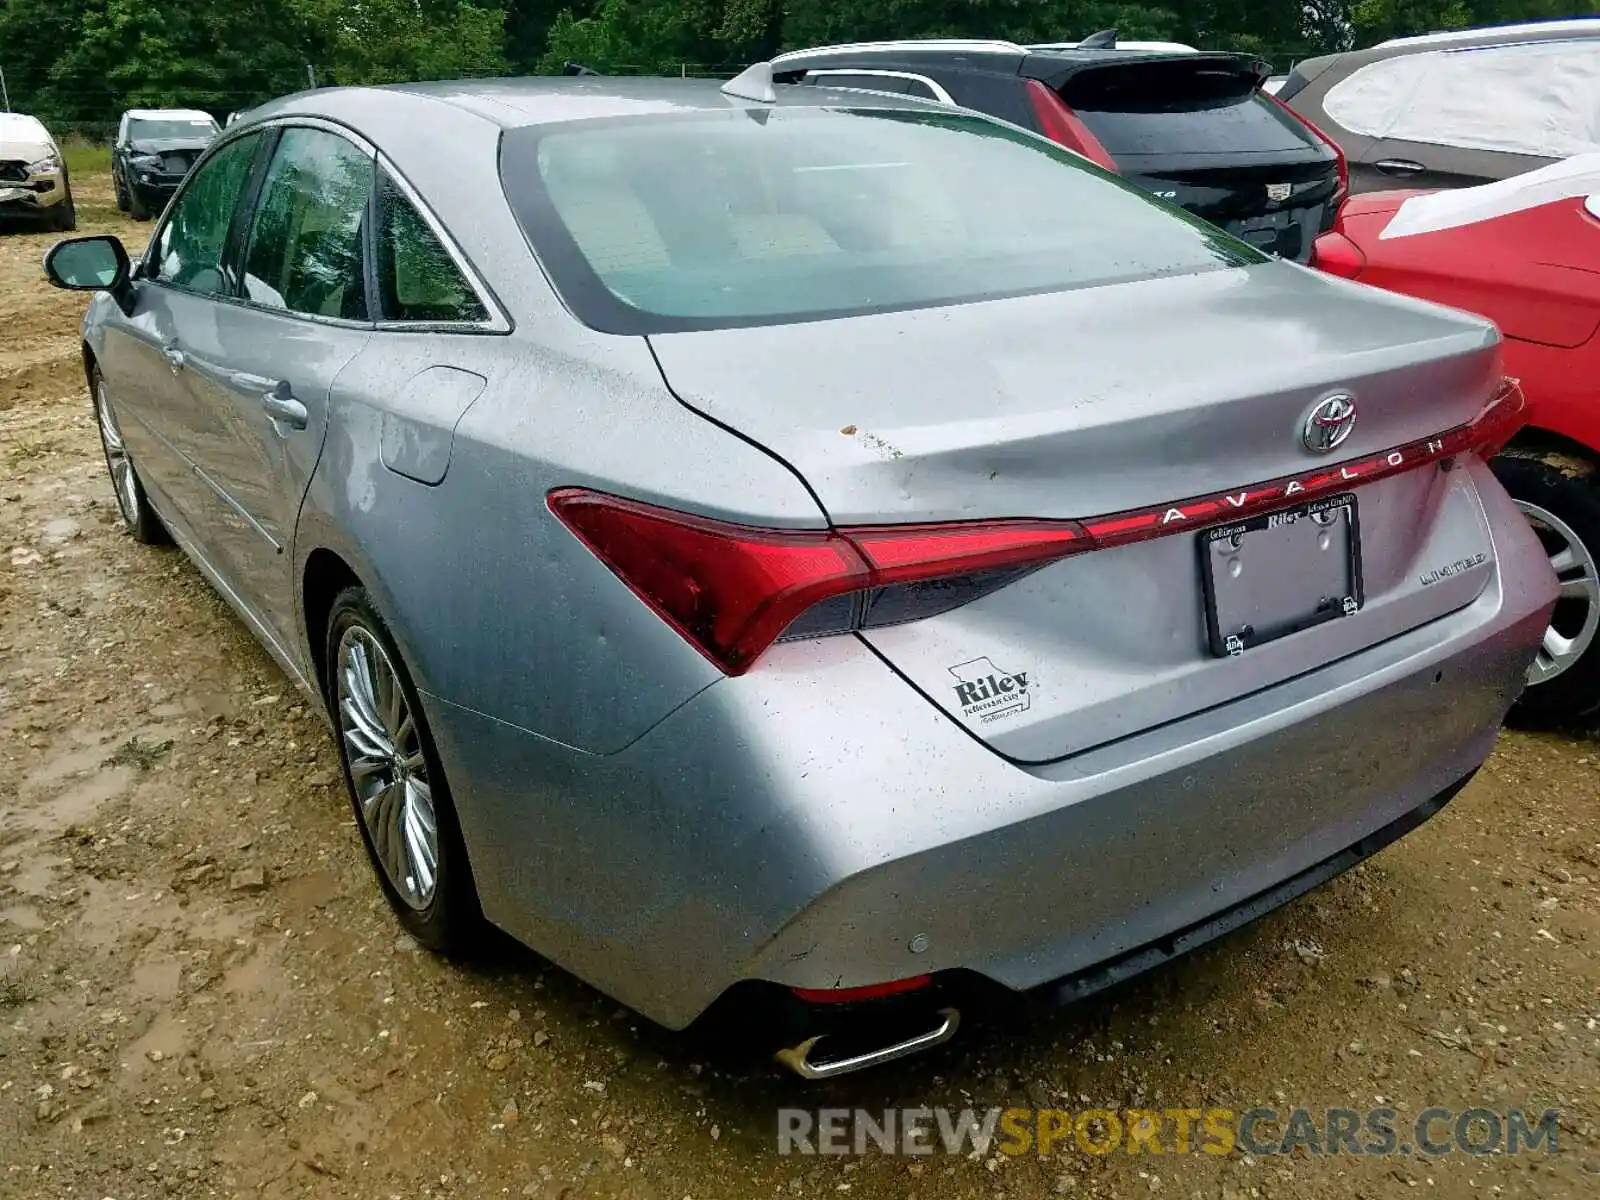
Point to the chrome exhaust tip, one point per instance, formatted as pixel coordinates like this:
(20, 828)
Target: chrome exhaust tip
(799, 1058)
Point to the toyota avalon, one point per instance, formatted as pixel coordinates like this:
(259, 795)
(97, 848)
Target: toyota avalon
(821, 548)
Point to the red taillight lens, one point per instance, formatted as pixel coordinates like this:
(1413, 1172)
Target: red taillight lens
(1061, 125)
(1338, 255)
(732, 590)
(1343, 163)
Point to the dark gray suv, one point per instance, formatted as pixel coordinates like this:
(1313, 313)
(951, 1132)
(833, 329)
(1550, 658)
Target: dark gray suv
(1193, 128)
(154, 150)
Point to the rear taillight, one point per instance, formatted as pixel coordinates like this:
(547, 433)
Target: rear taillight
(1343, 163)
(1338, 255)
(732, 590)
(1061, 125)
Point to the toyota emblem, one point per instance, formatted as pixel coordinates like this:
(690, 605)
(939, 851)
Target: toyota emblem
(1329, 423)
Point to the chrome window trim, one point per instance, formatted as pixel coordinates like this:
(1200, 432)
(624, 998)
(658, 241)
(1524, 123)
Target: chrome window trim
(137, 267)
(939, 94)
(498, 322)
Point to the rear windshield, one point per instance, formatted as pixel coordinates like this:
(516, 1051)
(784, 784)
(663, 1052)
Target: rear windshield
(755, 217)
(1234, 125)
(144, 129)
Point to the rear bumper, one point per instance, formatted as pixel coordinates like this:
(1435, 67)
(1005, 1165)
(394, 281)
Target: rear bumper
(1184, 941)
(818, 824)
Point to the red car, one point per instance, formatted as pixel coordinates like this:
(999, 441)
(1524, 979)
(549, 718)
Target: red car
(1524, 252)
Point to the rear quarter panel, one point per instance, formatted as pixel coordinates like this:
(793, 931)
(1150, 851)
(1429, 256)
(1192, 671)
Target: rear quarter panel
(497, 607)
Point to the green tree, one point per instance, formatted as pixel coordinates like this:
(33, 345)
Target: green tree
(390, 41)
(78, 63)
(813, 22)
(209, 54)
(1377, 20)
(654, 37)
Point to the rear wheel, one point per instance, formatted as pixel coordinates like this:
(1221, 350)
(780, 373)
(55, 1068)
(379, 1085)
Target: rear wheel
(397, 787)
(1558, 494)
(137, 516)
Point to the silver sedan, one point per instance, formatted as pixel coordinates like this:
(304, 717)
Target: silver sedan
(815, 550)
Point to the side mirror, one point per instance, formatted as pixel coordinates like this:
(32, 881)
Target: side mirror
(91, 264)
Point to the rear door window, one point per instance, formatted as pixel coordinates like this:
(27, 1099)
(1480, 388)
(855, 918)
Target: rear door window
(1535, 98)
(417, 278)
(305, 250)
(863, 80)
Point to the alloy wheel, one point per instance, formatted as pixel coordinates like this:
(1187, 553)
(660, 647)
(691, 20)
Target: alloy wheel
(1576, 618)
(388, 770)
(123, 480)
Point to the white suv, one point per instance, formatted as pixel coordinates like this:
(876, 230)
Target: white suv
(33, 176)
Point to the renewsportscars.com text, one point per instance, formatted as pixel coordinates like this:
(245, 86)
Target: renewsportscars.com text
(1432, 1132)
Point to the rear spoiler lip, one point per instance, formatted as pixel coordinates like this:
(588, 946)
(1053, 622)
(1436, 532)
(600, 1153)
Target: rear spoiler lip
(1056, 72)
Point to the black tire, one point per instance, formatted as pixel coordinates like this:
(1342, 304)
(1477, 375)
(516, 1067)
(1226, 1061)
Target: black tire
(136, 206)
(122, 192)
(64, 217)
(448, 920)
(1560, 495)
(138, 518)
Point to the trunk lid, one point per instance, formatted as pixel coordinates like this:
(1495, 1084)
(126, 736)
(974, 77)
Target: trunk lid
(1078, 404)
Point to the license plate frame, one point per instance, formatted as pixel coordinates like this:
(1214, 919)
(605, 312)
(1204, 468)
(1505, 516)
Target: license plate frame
(1333, 585)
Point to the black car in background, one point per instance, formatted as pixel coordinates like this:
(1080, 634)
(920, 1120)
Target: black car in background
(1192, 127)
(154, 150)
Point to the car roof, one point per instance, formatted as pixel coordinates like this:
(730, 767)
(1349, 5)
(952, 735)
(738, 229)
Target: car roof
(1001, 56)
(1326, 70)
(1150, 47)
(900, 46)
(1490, 34)
(167, 114)
(552, 99)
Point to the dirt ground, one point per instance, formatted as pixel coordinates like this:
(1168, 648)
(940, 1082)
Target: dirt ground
(202, 994)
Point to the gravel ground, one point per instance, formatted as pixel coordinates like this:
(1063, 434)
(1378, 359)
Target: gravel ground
(201, 993)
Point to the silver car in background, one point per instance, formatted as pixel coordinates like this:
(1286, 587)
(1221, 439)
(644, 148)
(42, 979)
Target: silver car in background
(813, 549)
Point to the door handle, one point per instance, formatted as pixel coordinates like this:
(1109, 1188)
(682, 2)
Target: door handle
(1399, 166)
(174, 356)
(283, 408)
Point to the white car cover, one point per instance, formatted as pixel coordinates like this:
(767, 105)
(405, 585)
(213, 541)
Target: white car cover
(1536, 98)
(1579, 176)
